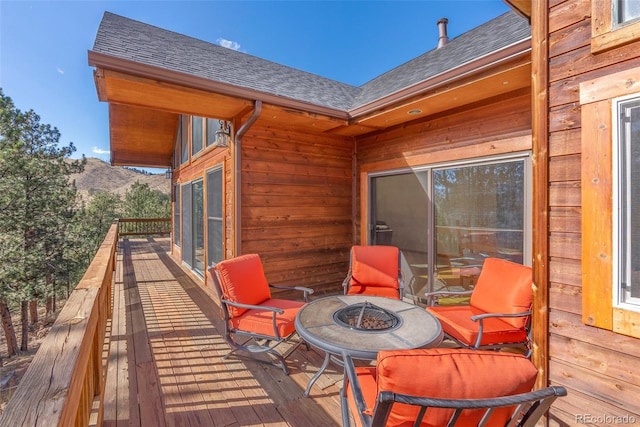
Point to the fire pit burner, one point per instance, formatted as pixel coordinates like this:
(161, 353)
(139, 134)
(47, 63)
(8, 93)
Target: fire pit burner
(366, 317)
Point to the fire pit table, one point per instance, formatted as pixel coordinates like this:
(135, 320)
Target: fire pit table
(362, 325)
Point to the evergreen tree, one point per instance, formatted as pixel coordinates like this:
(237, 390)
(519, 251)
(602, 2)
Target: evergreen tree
(141, 201)
(36, 198)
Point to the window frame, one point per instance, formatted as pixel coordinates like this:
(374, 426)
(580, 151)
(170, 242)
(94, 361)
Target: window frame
(617, 104)
(605, 33)
(597, 181)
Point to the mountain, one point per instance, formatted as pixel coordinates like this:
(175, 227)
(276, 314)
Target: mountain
(99, 175)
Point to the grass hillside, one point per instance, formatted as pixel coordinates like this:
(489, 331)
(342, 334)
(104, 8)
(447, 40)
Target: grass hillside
(99, 175)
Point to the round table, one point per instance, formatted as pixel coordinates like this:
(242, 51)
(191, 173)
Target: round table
(316, 325)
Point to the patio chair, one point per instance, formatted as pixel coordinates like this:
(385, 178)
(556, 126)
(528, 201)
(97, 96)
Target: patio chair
(444, 387)
(254, 322)
(374, 270)
(499, 311)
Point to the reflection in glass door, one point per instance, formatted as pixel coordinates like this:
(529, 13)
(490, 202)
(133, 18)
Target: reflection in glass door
(479, 213)
(198, 227)
(448, 220)
(399, 218)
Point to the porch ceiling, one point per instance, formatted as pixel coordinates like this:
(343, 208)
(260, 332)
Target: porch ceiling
(141, 137)
(143, 115)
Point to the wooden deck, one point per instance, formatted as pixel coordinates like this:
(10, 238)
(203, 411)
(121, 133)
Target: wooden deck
(165, 366)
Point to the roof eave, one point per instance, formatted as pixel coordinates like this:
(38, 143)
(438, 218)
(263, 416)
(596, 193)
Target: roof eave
(508, 53)
(101, 60)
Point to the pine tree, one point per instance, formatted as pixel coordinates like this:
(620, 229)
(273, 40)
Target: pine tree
(36, 198)
(141, 201)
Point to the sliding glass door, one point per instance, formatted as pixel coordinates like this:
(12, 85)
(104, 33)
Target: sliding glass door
(192, 210)
(448, 219)
(215, 229)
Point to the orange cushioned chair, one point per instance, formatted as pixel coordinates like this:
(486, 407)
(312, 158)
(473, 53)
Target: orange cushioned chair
(498, 314)
(445, 382)
(248, 309)
(374, 270)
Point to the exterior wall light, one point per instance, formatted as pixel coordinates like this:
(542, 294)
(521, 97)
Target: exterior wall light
(168, 173)
(223, 134)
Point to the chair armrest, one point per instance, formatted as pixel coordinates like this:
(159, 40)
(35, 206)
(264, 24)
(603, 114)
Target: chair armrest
(531, 406)
(481, 317)
(306, 291)
(488, 315)
(351, 378)
(253, 307)
(431, 296)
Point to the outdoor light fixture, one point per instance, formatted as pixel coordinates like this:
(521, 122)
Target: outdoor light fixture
(168, 173)
(223, 133)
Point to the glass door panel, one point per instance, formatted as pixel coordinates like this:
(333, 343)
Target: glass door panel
(198, 227)
(399, 218)
(479, 213)
(215, 232)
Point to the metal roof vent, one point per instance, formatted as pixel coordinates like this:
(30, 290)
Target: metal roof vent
(442, 32)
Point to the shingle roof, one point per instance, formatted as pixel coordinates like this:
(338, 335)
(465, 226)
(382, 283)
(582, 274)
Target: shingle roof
(135, 41)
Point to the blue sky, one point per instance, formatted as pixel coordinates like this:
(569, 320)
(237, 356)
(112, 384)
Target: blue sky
(44, 44)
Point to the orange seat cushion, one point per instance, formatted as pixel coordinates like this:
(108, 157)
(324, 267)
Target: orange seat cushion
(445, 374)
(504, 287)
(375, 267)
(374, 290)
(261, 321)
(456, 322)
(242, 280)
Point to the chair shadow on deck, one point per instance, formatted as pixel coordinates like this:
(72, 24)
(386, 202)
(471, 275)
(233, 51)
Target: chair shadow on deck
(165, 359)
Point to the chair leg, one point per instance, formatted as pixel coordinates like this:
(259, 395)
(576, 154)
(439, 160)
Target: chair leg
(257, 348)
(344, 405)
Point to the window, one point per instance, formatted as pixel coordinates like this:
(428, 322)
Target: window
(626, 11)
(448, 219)
(614, 23)
(627, 204)
(196, 135)
(176, 148)
(215, 229)
(610, 173)
(184, 140)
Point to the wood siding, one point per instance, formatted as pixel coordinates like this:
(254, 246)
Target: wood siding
(297, 204)
(598, 367)
(499, 126)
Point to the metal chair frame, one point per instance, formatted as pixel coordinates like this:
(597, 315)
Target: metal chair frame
(529, 406)
(269, 342)
(431, 298)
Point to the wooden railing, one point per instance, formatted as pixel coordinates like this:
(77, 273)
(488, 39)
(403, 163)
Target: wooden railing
(144, 226)
(64, 382)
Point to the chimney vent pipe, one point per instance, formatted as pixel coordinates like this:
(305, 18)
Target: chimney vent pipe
(442, 32)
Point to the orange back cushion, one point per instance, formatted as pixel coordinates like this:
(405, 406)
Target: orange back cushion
(504, 287)
(242, 280)
(375, 266)
(452, 374)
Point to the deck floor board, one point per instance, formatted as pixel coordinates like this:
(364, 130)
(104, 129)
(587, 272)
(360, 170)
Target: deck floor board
(165, 357)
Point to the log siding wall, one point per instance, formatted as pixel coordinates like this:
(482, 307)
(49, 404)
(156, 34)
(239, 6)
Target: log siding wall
(598, 367)
(297, 204)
